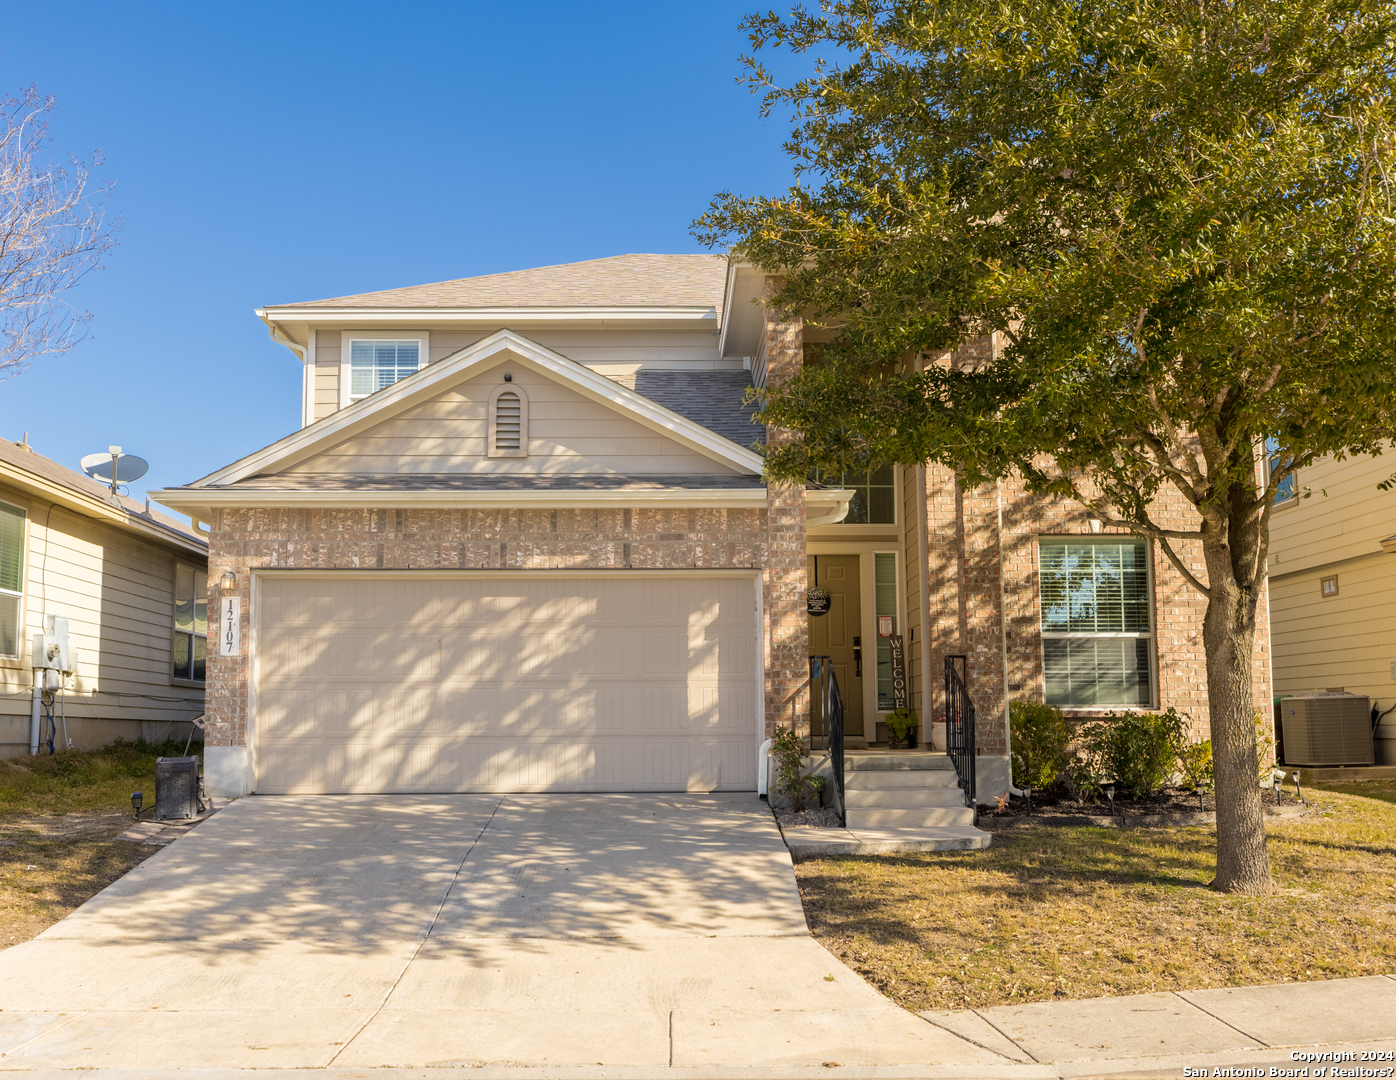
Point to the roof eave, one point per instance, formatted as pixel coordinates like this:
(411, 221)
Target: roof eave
(419, 314)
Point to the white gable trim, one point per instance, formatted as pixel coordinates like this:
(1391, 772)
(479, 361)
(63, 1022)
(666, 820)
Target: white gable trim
(429, 380)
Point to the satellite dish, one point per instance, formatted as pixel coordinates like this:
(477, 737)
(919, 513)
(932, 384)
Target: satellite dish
(114, 467)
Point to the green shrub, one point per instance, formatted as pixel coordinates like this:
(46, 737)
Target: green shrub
(1195, 761)
(901, 723)
(1040, 737)
(789, 750)
(1138, 751)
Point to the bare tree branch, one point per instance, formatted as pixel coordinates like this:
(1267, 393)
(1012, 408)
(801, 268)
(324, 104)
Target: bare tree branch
(51, 236)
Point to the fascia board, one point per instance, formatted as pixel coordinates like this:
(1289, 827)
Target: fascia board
(404, 394)
(487, 314)
(95, 508)
(199, 501)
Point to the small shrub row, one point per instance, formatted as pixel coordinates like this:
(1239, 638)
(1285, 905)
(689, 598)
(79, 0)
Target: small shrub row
(1140, 752)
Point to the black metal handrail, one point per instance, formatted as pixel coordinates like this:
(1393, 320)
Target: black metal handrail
(821, 675)
(959, 726)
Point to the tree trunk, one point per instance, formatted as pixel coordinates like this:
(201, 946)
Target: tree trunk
(1228, 632)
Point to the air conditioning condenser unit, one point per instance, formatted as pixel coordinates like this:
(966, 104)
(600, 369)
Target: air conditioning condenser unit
(1327, 729)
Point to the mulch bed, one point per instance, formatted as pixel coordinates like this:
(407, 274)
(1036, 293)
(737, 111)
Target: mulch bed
(1170, 801)
(826, 818)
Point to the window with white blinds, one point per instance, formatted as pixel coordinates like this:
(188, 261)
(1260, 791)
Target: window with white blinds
(374, 365)
(11, 578)
(1097, 621)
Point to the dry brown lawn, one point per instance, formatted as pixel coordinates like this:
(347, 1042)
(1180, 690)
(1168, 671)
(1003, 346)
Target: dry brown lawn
(1052, 912)
(59, 816)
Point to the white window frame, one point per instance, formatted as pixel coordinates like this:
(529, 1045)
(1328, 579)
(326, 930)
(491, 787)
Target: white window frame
(346, 347)
(491, 450)
(1043, 636)
(20, 643)
(853, 531)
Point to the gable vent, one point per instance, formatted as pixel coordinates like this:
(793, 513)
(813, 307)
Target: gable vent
(508, 424)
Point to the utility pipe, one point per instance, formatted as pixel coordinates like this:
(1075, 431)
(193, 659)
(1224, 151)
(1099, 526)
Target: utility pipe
(34, 721)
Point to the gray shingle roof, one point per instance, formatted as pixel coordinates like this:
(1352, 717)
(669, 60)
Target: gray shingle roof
(619, 281)
(16, 455)
(715, 399)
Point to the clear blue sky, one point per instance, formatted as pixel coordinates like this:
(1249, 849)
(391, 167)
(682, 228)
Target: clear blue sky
(279, 152)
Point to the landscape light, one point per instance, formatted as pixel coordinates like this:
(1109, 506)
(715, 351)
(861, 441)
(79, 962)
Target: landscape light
(136, 799)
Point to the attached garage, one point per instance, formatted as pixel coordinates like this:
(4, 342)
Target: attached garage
(491, 681)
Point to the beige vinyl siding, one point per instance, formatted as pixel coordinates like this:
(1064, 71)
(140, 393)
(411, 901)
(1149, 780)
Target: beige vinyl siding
(327, 343)
(448, 435)
(1345, 517)
(1348, 640)
(118, 593)
(603, 349)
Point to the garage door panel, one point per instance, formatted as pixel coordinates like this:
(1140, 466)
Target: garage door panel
(379, 684)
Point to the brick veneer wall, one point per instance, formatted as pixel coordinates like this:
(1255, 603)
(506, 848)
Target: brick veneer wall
(787, 612)
(244, 540)
(967, 616)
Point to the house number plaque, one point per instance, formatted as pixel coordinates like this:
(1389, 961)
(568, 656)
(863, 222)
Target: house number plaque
(230, 626)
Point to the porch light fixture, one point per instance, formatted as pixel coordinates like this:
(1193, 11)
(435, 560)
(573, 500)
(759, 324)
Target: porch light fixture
(228, 582)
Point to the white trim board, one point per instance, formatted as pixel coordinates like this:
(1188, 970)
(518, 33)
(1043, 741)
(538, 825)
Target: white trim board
(430, 380)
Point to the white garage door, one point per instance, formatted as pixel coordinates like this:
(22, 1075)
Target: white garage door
(383, 682)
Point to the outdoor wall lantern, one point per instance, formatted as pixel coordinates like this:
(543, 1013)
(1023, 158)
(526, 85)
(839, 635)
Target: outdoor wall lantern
(229, 581)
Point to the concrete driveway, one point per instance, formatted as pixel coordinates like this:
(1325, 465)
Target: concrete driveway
(354, 932)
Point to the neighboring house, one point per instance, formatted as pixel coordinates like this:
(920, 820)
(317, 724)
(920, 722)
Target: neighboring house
(522, 542)
(132, 584)
(1333, 583)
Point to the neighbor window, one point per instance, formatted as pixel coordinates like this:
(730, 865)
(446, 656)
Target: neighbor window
(11, 578)
(874, 499)
(1274, 460)
(375, 364)
(1097, 627)
(190, 645)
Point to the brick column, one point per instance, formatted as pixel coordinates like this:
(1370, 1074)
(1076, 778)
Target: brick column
(784, 579)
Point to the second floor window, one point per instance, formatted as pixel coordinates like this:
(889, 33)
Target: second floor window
(874, 500)
(1274, 460)
(376, 364)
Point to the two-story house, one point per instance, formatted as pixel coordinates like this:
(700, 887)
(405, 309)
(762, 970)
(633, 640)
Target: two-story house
(522, 542)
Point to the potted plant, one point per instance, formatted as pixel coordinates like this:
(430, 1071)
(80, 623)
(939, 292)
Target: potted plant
(901, 726)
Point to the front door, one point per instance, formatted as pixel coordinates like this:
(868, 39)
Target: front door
(838, 634)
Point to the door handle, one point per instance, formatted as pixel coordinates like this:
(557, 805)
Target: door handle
(857, 658)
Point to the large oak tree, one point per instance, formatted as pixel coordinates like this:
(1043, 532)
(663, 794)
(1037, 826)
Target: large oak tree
(1176, 215)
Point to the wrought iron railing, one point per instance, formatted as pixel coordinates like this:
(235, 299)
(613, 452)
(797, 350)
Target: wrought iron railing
(826, 705)
(959, 726)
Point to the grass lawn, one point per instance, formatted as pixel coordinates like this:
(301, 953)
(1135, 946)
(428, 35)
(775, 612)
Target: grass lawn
(1049, 912)
(59, 815)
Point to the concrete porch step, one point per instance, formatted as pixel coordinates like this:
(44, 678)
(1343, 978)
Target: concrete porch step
(891, 761)
(902, 818)
(888, 779)
(905, 798)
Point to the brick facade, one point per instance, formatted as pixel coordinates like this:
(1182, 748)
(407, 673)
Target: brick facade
(970, 533)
